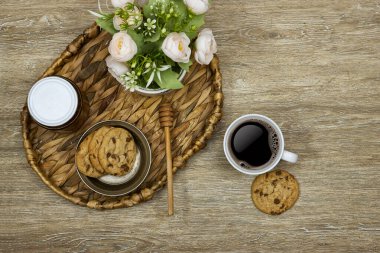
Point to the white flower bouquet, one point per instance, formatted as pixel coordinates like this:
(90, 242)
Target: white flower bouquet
(153, 41)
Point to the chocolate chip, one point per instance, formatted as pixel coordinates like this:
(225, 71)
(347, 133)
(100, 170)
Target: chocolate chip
(276, 201)
(124, 167)
(278, 173)
(257, 191)
(113, 140)
(113, 156)
(286, 178)
(265, 194)
(261, 193)
(128, 139)
(274, 182)
(108, 155)
(282, 206)
(109, 165)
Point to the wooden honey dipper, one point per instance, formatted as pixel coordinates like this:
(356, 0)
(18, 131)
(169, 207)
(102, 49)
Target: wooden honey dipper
(166, 121)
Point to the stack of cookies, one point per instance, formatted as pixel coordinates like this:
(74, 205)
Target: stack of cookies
(106, 151)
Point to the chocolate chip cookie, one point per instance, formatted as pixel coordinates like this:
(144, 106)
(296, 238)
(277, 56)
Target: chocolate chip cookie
(82, 158)
(117, 152)
(275, 192)
(94, 145)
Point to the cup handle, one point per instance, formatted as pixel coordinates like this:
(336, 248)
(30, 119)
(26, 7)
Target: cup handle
(289, 157)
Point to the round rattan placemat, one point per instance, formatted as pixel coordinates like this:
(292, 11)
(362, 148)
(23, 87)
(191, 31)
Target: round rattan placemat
(197, 108)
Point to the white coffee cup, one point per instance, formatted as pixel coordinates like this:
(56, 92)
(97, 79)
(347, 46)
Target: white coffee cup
(243, 166)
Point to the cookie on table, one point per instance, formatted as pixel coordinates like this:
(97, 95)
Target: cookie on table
(94, 145)
(117, 152)
(275, 192)
(82, 158)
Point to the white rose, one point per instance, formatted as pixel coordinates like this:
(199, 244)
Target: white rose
(176, 47)
(116, 68)
(120, 3)
(197, 7)
(122, 47)
(205, 46)
(117, 21)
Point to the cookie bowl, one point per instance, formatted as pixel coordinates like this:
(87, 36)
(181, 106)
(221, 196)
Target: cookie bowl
(120, 185)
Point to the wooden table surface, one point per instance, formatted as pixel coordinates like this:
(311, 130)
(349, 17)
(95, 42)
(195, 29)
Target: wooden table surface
(312, 66)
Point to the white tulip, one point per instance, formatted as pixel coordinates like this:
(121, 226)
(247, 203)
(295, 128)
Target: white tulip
(116, 68)
(176, 47)
(120, 3)
(205, 46)
(122, 47)
(197, 7)
(117, 22)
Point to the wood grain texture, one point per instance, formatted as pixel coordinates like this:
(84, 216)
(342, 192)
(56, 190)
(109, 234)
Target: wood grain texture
(312, 66)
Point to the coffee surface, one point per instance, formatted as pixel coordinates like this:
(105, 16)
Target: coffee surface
(251, 142)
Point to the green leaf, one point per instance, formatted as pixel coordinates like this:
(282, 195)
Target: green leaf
(152, 47)
(185, 66)
(138, 38)
(192, 28)
(106, 23)
(144, 47)
(148, 12)
(181, 11)
(169, 80)
(146, 9)
(169, 61)
(146, 76)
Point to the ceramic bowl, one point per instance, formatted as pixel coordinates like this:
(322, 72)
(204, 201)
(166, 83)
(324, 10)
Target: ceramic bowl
(156, 92)
(117, 186)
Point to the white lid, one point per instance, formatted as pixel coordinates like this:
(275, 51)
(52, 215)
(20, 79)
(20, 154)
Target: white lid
(52, 101)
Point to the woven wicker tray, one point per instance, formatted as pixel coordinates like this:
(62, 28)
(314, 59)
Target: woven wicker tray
(197, 109)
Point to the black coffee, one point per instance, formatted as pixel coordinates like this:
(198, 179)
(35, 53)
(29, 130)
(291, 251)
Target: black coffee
(253, 143)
